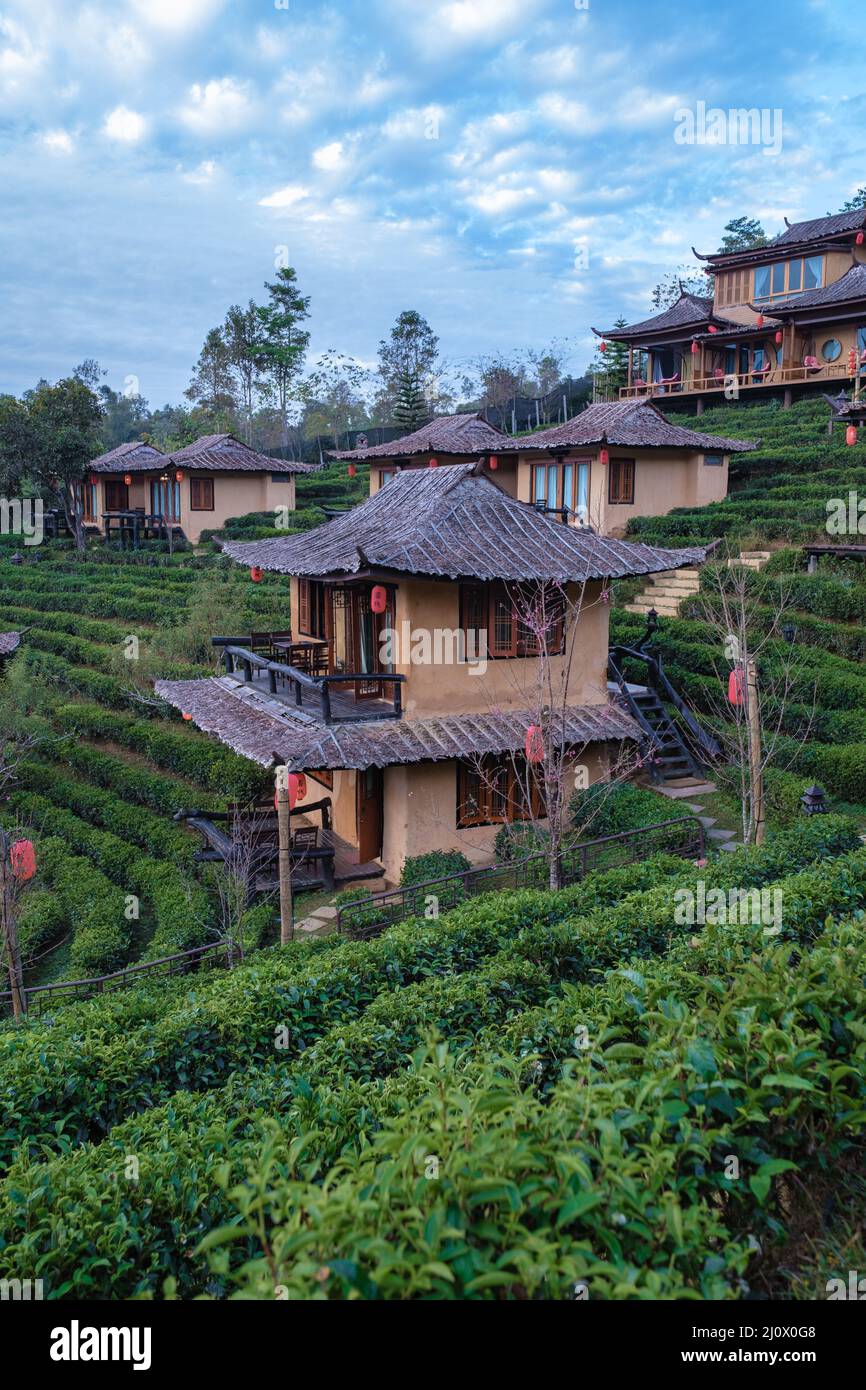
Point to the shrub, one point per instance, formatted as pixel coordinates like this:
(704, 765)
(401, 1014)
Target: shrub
(439, 863)
(604, 809)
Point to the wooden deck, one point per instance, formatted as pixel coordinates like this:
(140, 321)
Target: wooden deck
(344, 706)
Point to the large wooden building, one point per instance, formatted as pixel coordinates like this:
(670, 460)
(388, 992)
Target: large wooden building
(417, 742)
(783, 318)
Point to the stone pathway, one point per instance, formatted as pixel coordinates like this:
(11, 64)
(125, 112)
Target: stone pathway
(685, 787)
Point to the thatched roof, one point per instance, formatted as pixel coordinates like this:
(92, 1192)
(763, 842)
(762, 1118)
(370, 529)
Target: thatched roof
(445, 434)
(213, 453)
(9, 642)
(223, 453)
(259, 728)
(689, 312)
(134, 457)
(455, 523)
(630, 424)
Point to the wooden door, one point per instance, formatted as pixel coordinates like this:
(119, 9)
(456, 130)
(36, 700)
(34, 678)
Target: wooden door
(116, 497)
(367, 635)
(370, 800)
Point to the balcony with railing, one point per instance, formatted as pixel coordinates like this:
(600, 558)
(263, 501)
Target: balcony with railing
(300, 675)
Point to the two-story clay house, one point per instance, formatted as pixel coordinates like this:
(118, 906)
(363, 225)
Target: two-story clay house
(410, 673)
(782, 319)
(195, 489)
(611, 462)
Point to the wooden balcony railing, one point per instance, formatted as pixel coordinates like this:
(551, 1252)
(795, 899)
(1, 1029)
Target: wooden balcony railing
(741, 381)
(333, 706)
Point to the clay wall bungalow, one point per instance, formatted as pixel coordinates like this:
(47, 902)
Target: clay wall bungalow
(612, 462)
(783, 318)
(394, 736)
(194, 489)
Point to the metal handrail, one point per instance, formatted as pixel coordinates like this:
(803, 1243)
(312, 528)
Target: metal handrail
(473, 877)
(96, 984)
(705, 741)
(234, 655)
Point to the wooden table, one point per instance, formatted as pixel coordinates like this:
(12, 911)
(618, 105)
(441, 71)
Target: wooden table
(310, 656)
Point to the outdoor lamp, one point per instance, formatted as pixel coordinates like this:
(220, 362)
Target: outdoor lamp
(789, 632)
(813, 801)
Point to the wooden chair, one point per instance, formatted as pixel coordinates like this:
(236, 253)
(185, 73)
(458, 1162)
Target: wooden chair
(320, 660)
(303, 842)
(260, 642)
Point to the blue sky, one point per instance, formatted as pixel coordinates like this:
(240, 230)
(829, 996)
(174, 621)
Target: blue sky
(453, 156)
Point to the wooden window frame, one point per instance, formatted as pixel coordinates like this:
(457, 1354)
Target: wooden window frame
(479, 603)
(619, 469)
(386, 475)
(496, 783)
(196, 483)
(313, 609)
(324, 778)
(786, 289)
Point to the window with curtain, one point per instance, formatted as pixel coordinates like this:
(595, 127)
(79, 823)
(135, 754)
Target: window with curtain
(312, 608)
(788, 277)
(561, 485)
(165, 498)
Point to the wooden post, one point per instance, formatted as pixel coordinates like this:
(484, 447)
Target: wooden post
(284, 825)
(10, 932)
(756, 774)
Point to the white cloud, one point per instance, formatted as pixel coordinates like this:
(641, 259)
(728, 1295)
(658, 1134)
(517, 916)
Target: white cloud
(176, 15)
(125, 125)
(330, 157)
(58, 141)
(204, 173)
(472, 19)
(215, 106)
(285, 197)
(494, 201)
(20, 59)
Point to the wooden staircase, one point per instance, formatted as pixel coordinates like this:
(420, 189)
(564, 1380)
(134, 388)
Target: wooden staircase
(671, 758)
(666, 591)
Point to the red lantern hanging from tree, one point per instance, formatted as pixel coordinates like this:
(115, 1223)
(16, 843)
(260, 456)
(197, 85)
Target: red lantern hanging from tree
(602, 347)
(534, 744)
(352, 470)
(22, 857)
(851, 436)
(604, 457)
(737, 686)
(257, 574)
(379, 598)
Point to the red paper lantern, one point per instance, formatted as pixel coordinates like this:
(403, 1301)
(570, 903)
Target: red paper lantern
(534, 744)
(296, 786)
(379, 598)
(852, 362)
(861, 237)
(187, 717)
(760, 320)
(851, 436)
(352, 470)
(179, 475)
(602, 347)
(434, 463)
(257, 574)
(712, 329)
(494, 462)
(22, 857)
(695, 348)
(93, 480)
(779, 338)
(604, 457)
(737, 686)
(127, 478)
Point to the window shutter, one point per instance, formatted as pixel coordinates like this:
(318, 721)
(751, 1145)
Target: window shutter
(503, 623)
(304, 605)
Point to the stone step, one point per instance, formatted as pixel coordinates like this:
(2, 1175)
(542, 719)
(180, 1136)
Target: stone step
(662, 604)
(755, 554)
(676, 791)
(720, 835)
(675, 591)
(730, 845)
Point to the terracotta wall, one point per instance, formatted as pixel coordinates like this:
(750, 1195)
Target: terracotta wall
(663, 480)
(421, 812)
(235, 494)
